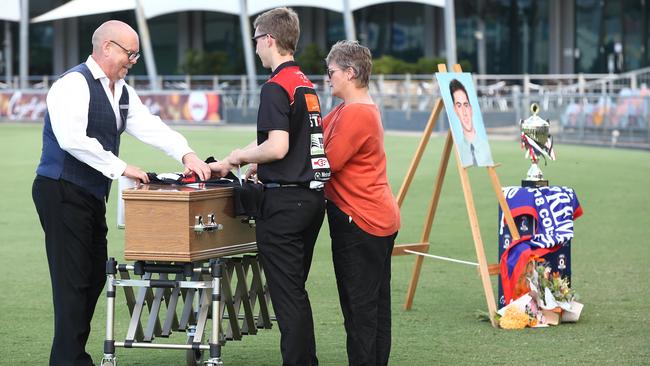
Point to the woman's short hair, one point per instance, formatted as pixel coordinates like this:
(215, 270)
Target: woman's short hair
(351, 54)
(283, 25)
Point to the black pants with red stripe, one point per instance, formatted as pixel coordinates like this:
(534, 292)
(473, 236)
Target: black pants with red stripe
(289, 222)
(74, 223)
(362, 267)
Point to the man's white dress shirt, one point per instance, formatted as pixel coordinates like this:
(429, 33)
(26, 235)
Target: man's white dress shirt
(67, 103)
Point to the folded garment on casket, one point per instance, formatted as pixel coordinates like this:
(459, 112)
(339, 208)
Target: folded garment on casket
(246, 196)
(554, 209)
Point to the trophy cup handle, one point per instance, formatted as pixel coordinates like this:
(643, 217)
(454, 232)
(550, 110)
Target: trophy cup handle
(534, 108)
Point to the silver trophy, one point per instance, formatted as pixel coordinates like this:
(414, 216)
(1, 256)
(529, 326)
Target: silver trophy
(537, 142)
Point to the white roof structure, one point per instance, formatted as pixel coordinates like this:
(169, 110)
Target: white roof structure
(259, 6)
(77, 8)
(360, 4)
(10, 10)
(154, 8)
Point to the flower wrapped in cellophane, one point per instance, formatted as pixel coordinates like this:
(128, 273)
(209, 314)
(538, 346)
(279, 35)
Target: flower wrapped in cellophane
(543, 296)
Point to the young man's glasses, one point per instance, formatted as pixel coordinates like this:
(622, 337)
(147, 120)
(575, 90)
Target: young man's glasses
(261, 35)
(133, 55)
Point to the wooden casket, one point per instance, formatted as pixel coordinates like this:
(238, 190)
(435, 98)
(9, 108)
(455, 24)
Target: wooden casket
(183, 224)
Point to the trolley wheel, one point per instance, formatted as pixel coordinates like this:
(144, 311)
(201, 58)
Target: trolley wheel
(193, 357)
(109, 361)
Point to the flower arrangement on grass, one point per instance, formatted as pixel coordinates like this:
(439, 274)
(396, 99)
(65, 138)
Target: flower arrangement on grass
(542, 299)
(543, 281)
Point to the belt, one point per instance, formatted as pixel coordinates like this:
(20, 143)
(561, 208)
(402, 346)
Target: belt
(283, 185)
(291, 185)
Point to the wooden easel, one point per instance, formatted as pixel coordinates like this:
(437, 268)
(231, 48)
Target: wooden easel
(421, 248)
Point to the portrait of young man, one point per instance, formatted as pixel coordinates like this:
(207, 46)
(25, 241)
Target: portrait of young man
(465, 119)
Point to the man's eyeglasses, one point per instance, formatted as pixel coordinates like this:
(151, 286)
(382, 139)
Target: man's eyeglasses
(133, 55)
(255, 38)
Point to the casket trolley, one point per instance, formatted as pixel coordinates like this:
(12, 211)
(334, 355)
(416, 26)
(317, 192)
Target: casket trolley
(190, 251)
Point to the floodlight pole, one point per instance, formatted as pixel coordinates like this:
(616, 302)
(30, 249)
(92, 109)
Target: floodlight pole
(348, 21)
(149, 59)
(450, 34)
(24, 43)
(246, 45)
(480, 39)
(8, 54)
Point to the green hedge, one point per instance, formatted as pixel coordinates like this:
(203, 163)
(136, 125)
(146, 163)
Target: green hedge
(206, 63)
(312, 60)
(390, 65)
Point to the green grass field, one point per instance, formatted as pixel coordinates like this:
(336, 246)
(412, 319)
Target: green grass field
(611, 269)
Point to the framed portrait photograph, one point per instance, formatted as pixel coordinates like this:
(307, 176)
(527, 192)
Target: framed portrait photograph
(465, 119)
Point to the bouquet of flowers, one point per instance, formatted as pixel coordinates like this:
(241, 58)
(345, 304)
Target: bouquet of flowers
(517, 315)
(543, 297)
(551, 289)
(552, 293)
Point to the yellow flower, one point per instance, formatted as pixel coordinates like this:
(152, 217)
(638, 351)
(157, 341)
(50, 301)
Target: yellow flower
(514, 319)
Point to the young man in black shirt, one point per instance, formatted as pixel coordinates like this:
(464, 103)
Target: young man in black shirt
(289, 159)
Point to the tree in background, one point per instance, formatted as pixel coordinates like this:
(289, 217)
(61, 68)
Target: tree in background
(311, 60)
(205, 63)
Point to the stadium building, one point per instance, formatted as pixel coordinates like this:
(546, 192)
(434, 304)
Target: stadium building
(492, 36)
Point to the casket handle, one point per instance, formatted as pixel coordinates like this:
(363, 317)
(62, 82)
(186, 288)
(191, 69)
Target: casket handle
(211, 225)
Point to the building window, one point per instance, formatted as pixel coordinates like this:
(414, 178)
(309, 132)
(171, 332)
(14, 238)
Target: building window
(41, 39)
(600, 35)
(514, 34)
(633, 34)
(395, 29)
(533, 27)
(223, 41)
(335, 29)
(165, 42)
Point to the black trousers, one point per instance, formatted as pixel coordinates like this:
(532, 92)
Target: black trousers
(289, 222)
(75, 229)
(362, 267)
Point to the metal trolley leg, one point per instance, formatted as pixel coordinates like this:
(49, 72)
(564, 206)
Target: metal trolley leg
(109, 342)
(216, 268)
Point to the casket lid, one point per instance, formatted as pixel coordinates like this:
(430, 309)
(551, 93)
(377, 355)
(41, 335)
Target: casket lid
(167, 192)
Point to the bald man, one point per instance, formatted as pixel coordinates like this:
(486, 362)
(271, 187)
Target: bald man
(87, 110)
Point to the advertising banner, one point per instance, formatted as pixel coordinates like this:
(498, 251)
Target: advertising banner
(176, 107)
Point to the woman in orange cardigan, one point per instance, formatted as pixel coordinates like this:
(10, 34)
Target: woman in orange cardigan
(362, 212)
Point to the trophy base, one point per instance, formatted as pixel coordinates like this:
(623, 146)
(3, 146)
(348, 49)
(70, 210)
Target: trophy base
(534, 183)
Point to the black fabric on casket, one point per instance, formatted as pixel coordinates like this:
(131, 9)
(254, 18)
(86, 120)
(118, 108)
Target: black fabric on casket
(246, 197)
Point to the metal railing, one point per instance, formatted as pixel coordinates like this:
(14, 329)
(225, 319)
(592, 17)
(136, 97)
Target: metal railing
(587, 106)
(411, 84)
(406, 91)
